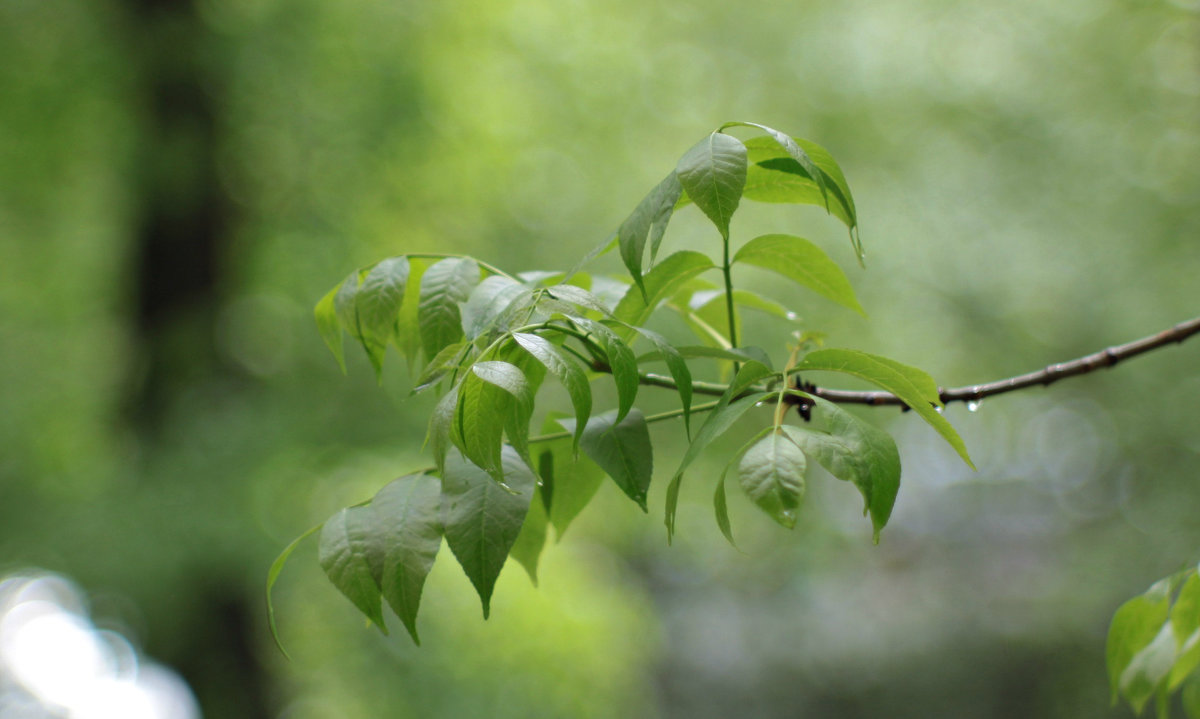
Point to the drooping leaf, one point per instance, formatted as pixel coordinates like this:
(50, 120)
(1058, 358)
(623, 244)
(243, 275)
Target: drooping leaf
(569, 479)
(344, 304)
(621, 447)
(482, 519)
(441, 365)
(793, 150)
(407, 515)
(678, 368)
(330, 328)
(772, 475)
(352, 559)
(520, 412)
(377, 306)
(721, 507)
(273, 576)
(621, 362)
(527, 549)
(713, 173)
(660, 283)
(1134, 625)
(488, 393)
(487, 301)
(803, 262)
(774, 176)
(579, 297)
(718, 421)
(446, 284)
(854, 451)
(568, 372)
(408, 329)
(648, 220)
(911, 385)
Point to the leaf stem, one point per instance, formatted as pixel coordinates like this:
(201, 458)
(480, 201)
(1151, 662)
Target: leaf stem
(726, 270)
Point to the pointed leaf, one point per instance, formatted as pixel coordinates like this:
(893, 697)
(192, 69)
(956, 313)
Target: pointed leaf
(527, 549)
(408, 517)
(854, 451)
(407, 336)
(487, 302)
(1185, 618)
(911, 385)
(569, 480)
(446, 361)
(801, 261)
(713, 174)
(377, 306)
(446, 285)
(330, 328)
(440, 436)
(1134, 625)
(678, 368)
(793, 150)
(774, 176)
(721, 507)
(649, 219)
(772, 475)
(273, 576)
(353, 562)
(482, 519)
(621, 362)
(621, 447)
(660, 283)
(1148, 670)
(486, 398)
(569, 373)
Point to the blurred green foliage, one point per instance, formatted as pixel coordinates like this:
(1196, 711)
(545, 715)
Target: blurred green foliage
(1026, 177)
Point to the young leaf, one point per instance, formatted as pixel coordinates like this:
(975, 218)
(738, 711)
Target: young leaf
(446, 361)
(567, 371)
(527, 548)
(330, 328)
(911, 385)
(408, 517)
(857, 452)
(775, 176)
(660, 283)
(273, 576)
(801, 261)
(713, 173)
(793, 150)
(678, 368)
(377, 306)
(772, 475)
(569, 480)
(486, 303)
(720, 419)
(621, 447)
(621, 362)
(353, 562)
(650, 217)
(1134, 625)
(408, 331)
(486, 398)
(482, 519)
(446, 285)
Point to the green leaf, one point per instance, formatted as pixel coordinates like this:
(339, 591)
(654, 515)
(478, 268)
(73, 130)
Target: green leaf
(520, 412)
(353, 562)
(1185, 618)
(857, 452)
(569, 373)
(527, 549)
(1134, 625)
(486, 398)
(718, 421)
(794, 151)
(1148, 670)
(408, 331)
(621, 447)
(407, 515)
(330, 328)
(660, 283)
(621, 362)
(377, 306)
(1190, 698)
(774, 176)
(440, 436)
(579, 297)
(680, 373)
(772, 475)
(446, 285)
(713, 173)
(801, 261)
(648, 219)
(569, 480)
(721, 507)
(911, 385)
(344, 303)
(705, 295)
(445, 362)
(487, 302)
(273, 576)
(482, 519)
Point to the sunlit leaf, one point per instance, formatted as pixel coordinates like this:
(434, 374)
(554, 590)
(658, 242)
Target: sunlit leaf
(648, 221)
(660, 283)
(713, 173)
(487, 301)
(772, 475)
(1134, 625)
(352, 560)
(803, 262)
(446, 285)
(482, 518)
(407, 518)
(568, 372)
(330, 328)
(854, 451)
(911, 385)
(794, 151)
(621, 447)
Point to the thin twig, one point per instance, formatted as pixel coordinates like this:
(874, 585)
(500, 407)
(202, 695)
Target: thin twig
(1050, 374)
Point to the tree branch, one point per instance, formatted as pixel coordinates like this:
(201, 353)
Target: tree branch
(1050, 374)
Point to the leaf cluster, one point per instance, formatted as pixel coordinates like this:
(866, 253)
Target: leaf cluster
(486, 341)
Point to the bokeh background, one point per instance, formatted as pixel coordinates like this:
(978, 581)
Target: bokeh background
(181, 181)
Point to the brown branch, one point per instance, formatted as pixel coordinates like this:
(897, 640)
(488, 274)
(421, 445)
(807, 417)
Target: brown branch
(1052, 373)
